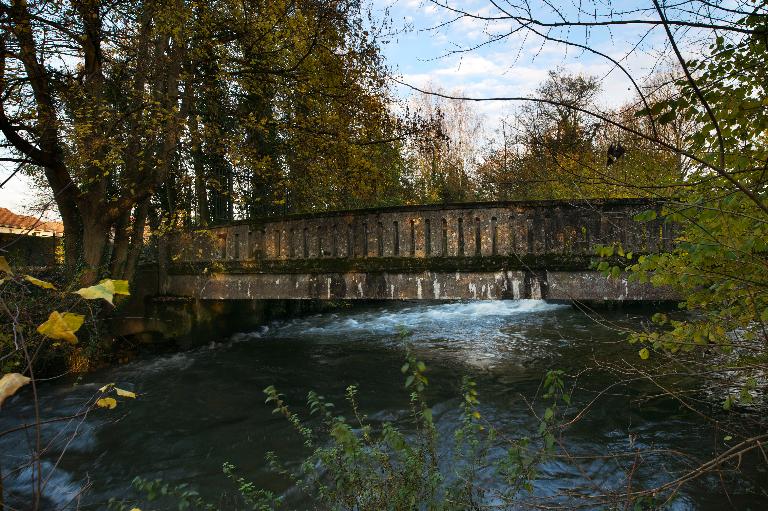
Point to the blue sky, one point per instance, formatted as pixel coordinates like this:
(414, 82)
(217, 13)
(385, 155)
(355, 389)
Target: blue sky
(444, 57)
(423, 54)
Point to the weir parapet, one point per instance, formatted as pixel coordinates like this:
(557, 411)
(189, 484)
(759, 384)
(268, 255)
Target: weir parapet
(491, 250)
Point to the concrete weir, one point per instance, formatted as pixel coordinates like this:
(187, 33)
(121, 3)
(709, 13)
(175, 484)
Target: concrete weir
(499, 250)
(546, 285)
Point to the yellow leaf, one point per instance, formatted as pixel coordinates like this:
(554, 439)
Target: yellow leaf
(121, 287)
(62, 326)
(39, 283)
(135, 509)
(107, 387)
(125, 393)
(4, 266)
(10, 383)
(644, 353)
(105, 289)
(106, 402)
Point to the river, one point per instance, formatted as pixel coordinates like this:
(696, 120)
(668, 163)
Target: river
(197, 409)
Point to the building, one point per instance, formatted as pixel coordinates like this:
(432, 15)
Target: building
(27, 240)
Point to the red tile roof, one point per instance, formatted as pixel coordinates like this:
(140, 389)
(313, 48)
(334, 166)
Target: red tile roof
(10, 219)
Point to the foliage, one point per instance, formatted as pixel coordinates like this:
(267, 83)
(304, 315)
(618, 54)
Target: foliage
(552, 148)
(441, 158)
(367, 467)
(139, 115)
(106, 289)
(719, 263)
(25, 302)
(23, 345)
(184, 497)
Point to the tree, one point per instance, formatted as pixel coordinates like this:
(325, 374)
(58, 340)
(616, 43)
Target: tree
(719, 265)
(442, 157)
(89, 95)
(177, 112)
(553, 148)
(314, 129)
(713, 131)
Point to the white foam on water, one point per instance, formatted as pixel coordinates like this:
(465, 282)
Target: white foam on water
(162, 364)
(421, 321)
(247, 336)
(487, 308)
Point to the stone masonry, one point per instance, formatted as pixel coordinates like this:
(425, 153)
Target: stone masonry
(532, 249)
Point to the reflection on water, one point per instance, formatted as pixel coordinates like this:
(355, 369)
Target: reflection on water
(200, 408)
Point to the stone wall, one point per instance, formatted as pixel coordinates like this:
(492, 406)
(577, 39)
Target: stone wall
(29, 250)
(536, 249)
(461, 230)
(561, 286)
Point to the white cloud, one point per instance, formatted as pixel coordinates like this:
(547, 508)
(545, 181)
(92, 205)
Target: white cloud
(418, 79)
(17, 194)
(469, 65)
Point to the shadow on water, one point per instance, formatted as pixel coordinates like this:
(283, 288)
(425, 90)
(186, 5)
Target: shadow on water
(200, 408)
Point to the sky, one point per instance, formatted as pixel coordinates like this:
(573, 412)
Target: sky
(429, 47)
(461, 57)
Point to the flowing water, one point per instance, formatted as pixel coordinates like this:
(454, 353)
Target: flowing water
(200, 408)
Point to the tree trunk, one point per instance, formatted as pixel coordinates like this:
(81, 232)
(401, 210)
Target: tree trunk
(73, 237)
(201, 188)
(137, 240)
(119, 255)
(95, 236)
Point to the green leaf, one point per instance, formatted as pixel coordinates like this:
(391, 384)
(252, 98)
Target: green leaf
(666, 117)
(408, 381)
(653, 110)
(644, 353)
(645, 216)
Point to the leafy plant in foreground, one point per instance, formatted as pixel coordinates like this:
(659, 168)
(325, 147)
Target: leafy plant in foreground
(24, 301)
(355, 464)
(719, 265)
(367, 467)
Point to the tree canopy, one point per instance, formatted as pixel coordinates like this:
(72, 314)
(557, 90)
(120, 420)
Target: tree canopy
(180, 112)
